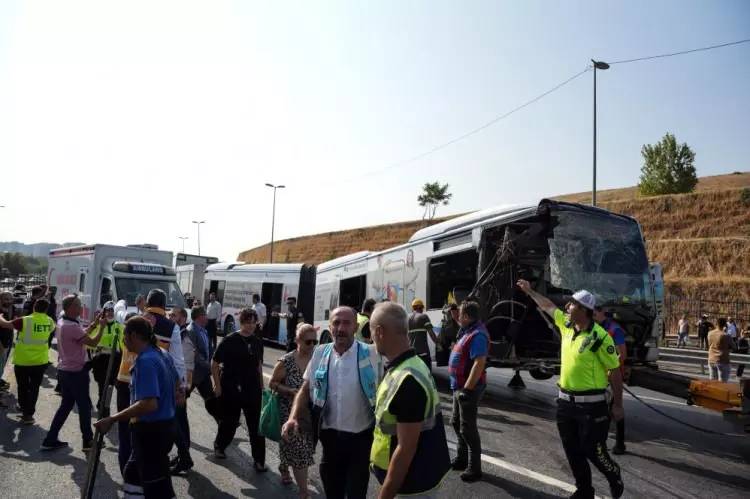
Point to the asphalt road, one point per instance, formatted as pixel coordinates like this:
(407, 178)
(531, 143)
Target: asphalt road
(522, 453)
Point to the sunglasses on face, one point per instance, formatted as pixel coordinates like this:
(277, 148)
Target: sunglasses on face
(310, 342)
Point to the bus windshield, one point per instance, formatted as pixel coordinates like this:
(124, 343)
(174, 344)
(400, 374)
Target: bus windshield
(128, 288)
(602, 254)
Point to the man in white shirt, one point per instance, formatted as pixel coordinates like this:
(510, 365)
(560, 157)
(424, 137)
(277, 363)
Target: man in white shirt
(260, 309)
(341, 380)
(213, 314)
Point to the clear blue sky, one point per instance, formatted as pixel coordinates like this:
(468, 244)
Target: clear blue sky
(115, 111)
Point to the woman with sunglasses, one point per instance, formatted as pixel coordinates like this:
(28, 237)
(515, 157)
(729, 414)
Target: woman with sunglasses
(297, 451)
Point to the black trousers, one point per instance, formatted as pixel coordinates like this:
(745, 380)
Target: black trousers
(182, 433)
(703, 339)
(464, 421)
(212, 329)
(29, 378)
(148, 466)
(123, 427)
(99, 365)
(234, 403)
(583, 429)
(345, 465)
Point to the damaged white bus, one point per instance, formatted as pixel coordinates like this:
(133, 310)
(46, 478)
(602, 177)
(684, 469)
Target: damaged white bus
(559, 247)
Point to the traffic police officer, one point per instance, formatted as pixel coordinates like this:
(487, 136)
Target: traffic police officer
(113, 332)
(31, 355)
(589, 362)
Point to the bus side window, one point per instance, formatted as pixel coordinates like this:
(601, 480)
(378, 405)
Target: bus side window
(327, 314)
(81, 282)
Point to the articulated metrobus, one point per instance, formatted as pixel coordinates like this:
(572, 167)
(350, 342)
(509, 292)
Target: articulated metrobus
(559, 247)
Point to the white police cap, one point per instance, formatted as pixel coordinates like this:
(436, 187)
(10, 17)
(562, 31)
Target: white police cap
(585, 298)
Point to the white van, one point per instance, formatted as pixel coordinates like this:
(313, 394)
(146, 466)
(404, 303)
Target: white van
(101, 272)
(235, 283)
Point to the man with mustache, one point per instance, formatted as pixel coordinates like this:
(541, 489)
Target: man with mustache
(343, 409)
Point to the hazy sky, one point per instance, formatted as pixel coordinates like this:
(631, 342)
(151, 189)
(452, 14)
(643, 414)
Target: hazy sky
(120, 122)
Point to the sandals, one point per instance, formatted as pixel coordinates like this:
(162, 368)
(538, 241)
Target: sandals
(286, 477)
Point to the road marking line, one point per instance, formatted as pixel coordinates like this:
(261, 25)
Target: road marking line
(520, 470)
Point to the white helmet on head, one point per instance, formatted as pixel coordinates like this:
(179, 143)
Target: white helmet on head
(585, 298)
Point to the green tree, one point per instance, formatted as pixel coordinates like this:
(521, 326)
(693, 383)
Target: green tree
(667, 168)
(14, 263)
(433, 195)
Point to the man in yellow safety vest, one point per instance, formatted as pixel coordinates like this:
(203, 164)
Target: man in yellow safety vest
(31, 355)
(409, 453)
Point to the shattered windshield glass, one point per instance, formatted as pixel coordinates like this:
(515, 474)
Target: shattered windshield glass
(602, 254)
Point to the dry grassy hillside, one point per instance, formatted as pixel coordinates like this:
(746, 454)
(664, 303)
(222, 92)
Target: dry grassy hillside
(329, 245)
(701, 239)
(735, 180)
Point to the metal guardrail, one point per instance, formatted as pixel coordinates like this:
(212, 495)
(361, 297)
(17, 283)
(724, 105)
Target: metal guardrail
(697, 357)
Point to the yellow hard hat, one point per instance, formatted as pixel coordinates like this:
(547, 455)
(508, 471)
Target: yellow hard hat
(417, 303)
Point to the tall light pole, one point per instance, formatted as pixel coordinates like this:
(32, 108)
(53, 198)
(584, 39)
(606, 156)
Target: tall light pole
(199, 234)
(597, 65)
(273, 213)
(183, 238)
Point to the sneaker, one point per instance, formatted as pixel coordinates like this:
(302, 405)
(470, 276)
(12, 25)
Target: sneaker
(57, 444)
(470, 476)
(617, 488)
(180, 467)
(219, 453)
(27, 420)
(459, 464)
(618, 450)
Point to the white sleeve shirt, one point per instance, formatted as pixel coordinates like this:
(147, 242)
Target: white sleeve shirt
(213, 311)
(346, 407)
(260, 309)
(175, 351)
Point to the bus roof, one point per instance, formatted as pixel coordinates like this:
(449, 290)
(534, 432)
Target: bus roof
(344, 260)
(256, 267)
(470, 220)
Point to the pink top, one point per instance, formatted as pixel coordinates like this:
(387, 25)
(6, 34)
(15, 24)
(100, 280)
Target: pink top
(72, 351)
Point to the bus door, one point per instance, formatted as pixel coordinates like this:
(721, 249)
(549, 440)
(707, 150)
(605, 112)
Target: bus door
(270, 295)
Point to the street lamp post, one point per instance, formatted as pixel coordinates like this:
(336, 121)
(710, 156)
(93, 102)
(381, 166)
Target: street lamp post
(273, 213)
(183, 238)
(199, 234)
(597, 65)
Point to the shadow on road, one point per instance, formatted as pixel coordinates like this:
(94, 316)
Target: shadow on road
(735, 479)
(24, 444)
(516, 489)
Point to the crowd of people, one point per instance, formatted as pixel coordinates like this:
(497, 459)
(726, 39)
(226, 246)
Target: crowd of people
(368, 397)
(719, 340)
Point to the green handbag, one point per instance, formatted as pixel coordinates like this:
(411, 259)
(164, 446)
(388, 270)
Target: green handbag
(270, 424)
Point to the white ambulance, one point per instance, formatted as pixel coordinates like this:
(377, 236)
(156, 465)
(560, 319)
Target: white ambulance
(101, 272)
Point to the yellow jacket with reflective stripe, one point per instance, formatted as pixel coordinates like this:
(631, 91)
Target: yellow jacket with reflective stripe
(32, 347)
(111, 331)
(431, 461)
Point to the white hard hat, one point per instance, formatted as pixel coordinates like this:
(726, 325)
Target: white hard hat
(585, 298)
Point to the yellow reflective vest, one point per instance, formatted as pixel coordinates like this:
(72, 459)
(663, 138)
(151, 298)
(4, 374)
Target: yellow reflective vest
(361, 321)
(32, 347)
(431, 461)
(113, 330)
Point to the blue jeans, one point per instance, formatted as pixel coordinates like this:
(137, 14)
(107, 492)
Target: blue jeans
(75, 391)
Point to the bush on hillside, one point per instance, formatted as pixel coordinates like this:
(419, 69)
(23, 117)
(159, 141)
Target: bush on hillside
(745, 196)
(667, 168)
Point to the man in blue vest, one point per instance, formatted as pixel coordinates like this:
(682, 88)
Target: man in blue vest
(343, 411)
